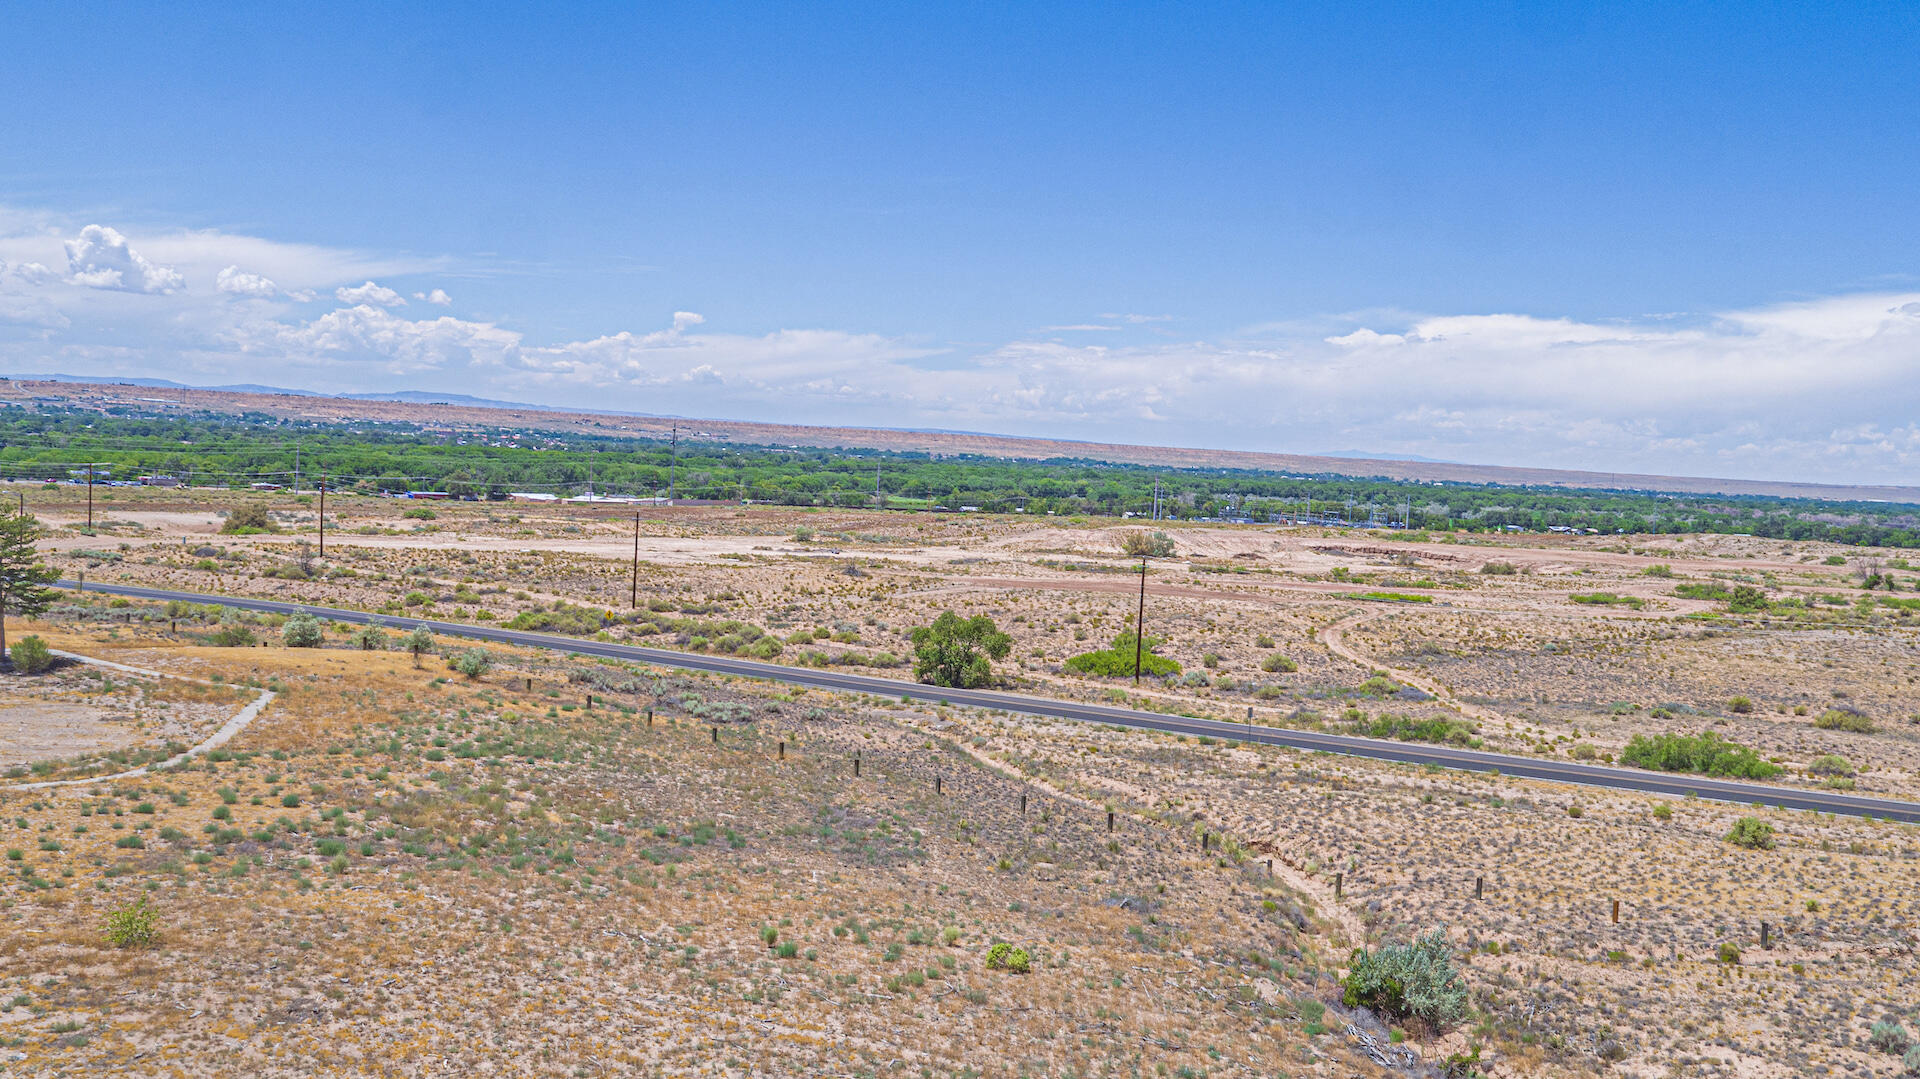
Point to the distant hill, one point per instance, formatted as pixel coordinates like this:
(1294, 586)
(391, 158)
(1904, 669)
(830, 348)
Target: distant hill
(422, 397)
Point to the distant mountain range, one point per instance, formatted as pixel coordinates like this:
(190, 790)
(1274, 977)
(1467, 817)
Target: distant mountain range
(418, 397)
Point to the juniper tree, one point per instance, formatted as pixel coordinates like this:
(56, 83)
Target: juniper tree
(23, 577)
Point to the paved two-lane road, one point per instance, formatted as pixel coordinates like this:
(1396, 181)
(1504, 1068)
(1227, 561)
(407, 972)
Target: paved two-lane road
(1591, 775)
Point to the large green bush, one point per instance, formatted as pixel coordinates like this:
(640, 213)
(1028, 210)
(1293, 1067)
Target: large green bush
(958, 652)
(302, 630)
(1414, 981)
(248, 518)
(1701, 754)
(1116, 661)
(1438, 729)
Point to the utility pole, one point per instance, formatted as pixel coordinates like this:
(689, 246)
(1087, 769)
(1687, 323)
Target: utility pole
(89, 496)
(673, 463)
(1140, 621)
(633, 600)
(323, 516)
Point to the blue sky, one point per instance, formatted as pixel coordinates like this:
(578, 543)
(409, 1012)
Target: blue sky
(1675, 238)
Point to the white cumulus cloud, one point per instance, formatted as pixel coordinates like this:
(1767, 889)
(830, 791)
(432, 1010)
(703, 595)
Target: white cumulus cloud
(370, 293)
(438, 297)
(237, 282)
(101, 258)
(368, 334)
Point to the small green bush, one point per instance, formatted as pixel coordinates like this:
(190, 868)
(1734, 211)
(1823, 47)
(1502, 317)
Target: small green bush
(473, 663)
(132, 926)
(233, 635)
(1751, 833)
(1911, 1062)
(31, 655)
(1417, 981)
(1830, 764)
(370, 638)
(1888, 1036)
(1843, 719)
(1740, 706)
(1499, 569)
(1004, 956)
(1278, 664)
(1728, 953)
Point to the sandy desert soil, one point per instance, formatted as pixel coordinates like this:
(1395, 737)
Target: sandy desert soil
(481, 875)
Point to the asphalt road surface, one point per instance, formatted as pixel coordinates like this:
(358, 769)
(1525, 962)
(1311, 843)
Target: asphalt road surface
(1591, 775)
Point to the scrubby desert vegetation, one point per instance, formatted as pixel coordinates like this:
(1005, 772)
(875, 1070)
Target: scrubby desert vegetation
(416, 862)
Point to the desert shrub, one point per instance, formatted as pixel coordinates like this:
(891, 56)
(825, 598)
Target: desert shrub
(1499, 569)
(1740, 706)
(1746, 599)
(248, 518)
(1728, 953)
(31, 655)
(1278, 664)
(1888, 1036)
(1843, 719)
(1607, 599)
(1830, 764)
(1416, 981)
(1751, 833)
(1116, 660)
(1658, 569)
(132, 926)
(1004, 956)
(302, 630)
(419, 513)
(1701, 754)
(370, 638)
(1663, 811)
(472, 663)
(233, 633)
(1911, 1062)
(1583, 752)
(1438, 729)
(564, 618)
(1377, 685)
